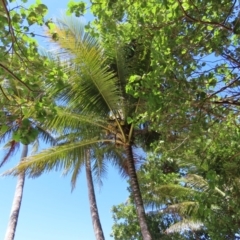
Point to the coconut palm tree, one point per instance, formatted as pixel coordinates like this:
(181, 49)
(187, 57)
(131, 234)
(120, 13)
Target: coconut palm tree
(95, 97)
(92, 200)
(17, 136)
(17, 130)
(94, 160)
(83, 157)
(17, 200)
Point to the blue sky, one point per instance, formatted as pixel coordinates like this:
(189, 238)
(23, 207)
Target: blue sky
(49, 210)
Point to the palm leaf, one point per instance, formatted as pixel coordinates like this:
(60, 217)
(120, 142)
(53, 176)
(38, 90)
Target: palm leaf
(12, 147)
(58, 157)
(6, 134)
(185, 225)
(99, 168)
(169, 193)
(196, 182)
(76, 169)
(200, 184)
(185, 208)
(66, 118)
(91, 87)
(45, 136)
(35, 147)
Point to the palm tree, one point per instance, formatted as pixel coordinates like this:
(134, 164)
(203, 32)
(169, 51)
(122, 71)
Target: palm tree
(17, 200)
(96, 167)
(17, 129)
(180, 197)
(92, 200)
(94, 97)
(32, 130)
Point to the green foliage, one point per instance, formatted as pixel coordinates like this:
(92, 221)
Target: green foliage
(191, 92)
(22, 68)
(26, 134)
(181, 83)
(77, 8)
(211, 161)
(164, 75)
(95, 109)
(126, 227)
(169, 205)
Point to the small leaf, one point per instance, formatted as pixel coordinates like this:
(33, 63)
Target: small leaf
(16, 136)
(4, 128)
(41, 9)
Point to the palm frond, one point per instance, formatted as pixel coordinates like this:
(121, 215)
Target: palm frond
(196, 182)
(66, 119)
(6, 135)
(58, 157)
(45, 135)
(170, 191)
(119, 160)
(91, 85)
(99, 168)
(12, 147)
(185, 225)
(117, 64)
(123, 68)
(185, 208)
(76, 170)
(35, 147)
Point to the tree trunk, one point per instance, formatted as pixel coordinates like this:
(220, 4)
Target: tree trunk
(17, 200)
(92, 200)
(137, 195)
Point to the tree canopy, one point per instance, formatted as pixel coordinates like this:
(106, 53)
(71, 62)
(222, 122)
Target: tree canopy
(176, 95)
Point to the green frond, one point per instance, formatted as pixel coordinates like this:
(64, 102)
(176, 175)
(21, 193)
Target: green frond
(123, 68)
(169, 192)
(67, 137)
(92, 86)
(76, 169)
(196, 182)
(6, 135)
(117, 64)
(185, 225)
(72, 29)
(61, 157)
(35, 147)
(119, 160)
(65, 118)
(185, 208)
(99, 168)
(103, 153)
(45, 136)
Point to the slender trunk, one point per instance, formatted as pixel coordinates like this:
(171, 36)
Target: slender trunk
(137, 195)
(17, 200)
(92, 200)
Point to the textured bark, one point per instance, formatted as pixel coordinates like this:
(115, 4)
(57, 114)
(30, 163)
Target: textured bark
(137, 195)
(17, 200)
(92, 200)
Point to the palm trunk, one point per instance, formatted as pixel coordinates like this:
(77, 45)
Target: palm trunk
(17, 200)
(137, 195)
(92, 200)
